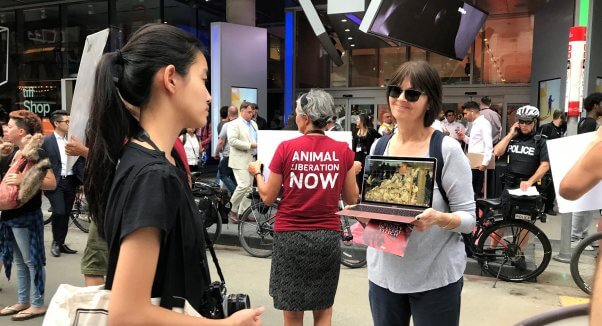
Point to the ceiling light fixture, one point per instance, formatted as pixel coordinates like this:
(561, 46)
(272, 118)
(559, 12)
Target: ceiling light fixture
(347, 30)
(352, 44)
(350, 38)
(344, 20)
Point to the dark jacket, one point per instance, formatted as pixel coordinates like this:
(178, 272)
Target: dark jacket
(52, 149)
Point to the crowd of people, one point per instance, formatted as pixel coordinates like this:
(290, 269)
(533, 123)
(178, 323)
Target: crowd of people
(147, 244)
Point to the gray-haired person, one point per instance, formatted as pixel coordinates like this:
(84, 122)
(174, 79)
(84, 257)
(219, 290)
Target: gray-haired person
(314, 171)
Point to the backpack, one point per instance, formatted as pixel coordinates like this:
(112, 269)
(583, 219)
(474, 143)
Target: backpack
(436, 152)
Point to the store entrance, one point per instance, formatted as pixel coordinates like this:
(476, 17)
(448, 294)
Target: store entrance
(349, 108)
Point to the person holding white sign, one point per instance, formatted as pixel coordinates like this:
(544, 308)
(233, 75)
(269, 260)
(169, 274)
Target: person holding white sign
(581, 178)
(314, 171)
(583, 219)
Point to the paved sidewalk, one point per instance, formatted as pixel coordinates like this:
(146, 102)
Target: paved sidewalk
(506, 304)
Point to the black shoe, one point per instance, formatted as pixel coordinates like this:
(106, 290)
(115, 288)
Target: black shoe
(67, 250)
(55, 250)
(551, 212)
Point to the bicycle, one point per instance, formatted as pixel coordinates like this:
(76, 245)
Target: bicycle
(256, 233)
(214, 202)
(80, 216)
(583, 263)
(506, 243)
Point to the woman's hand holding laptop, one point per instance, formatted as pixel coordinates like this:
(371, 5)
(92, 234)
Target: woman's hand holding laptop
(432, 217)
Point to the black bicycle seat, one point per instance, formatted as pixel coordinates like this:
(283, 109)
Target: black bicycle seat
(489, 202)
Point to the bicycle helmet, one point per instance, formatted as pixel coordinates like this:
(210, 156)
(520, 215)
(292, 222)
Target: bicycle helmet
(527, 112)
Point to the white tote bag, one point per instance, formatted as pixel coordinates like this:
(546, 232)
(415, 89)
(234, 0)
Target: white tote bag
(79, 306)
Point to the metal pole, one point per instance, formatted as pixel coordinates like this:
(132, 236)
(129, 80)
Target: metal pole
(567, 218)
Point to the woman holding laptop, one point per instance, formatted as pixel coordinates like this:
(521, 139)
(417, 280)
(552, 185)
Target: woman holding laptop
(426, 283)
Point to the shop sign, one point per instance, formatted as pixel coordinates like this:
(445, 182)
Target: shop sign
(39, 97)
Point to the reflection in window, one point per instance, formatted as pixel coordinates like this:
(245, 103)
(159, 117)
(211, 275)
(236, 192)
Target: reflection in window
(389, 60)
(7, 93)
(133, 14)
(40, 58)
(450, 70)
(506, 50)
(83, 19)
(363, 68)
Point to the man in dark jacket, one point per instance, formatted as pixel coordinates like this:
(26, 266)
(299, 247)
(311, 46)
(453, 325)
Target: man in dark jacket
(68, 181)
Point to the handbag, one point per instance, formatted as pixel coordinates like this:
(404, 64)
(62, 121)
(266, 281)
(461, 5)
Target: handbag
(9, 194)
(72, 305)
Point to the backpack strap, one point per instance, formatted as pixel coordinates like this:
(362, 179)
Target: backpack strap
(436, 152)
(381, 144)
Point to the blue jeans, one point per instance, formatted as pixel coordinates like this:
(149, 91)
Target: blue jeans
(25, 269)
(439, 307)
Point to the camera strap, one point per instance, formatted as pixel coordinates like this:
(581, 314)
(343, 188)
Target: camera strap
(213, 255)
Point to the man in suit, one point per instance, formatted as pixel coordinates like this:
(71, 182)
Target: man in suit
(68, 180)
(242, 136)
(262, 124)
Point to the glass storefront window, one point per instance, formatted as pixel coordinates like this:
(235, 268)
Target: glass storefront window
(83, 19)
(133, 14)
(40, 44)
(363, 72)
(417, 54)
(312, 62)
(389, 60)
(7, 91)
(450, 70)
(507, 46)
(275, 61)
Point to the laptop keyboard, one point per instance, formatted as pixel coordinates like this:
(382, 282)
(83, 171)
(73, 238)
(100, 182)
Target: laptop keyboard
(385, 210)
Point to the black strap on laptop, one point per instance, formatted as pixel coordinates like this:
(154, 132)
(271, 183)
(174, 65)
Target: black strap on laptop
(436, 152)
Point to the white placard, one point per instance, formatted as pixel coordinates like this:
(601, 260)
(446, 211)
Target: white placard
(564, 152)
(84, 87)
(268, 141)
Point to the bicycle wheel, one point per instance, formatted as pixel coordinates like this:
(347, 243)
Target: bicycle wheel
(515, 250)
(81, 219)
(256, 229)
(353, 255)
(215, 229)
(80, 214)
(583, 263)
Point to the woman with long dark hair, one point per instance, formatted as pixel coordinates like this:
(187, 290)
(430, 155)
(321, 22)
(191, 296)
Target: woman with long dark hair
(138, 191)
(363, 139)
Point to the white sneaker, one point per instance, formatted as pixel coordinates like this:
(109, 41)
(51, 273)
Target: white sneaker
(574, 245)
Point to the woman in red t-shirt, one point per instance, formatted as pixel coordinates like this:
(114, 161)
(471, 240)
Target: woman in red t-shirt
(314, 171)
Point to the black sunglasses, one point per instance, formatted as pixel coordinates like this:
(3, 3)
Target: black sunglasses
(412, 95)
(525, 122)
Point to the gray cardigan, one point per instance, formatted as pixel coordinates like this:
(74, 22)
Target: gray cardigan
(436, 257)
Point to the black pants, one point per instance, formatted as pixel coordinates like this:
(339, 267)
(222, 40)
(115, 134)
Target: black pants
(439, 307)
(61, 201)
(477, 182)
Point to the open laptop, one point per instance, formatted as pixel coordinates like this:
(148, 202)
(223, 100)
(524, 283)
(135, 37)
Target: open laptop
(395, 188)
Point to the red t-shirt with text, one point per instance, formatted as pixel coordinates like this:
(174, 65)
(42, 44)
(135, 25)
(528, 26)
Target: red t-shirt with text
(313, 170)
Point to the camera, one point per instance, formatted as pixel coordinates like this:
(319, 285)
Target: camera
(221, 305)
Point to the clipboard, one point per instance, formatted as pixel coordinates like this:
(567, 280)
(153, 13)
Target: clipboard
(476, 159)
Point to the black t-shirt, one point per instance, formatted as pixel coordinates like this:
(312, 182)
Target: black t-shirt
(34, 203)
(551, 131)
(159, 197)
(587, 124)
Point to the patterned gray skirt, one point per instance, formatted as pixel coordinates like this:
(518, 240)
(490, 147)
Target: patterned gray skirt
(305, 269)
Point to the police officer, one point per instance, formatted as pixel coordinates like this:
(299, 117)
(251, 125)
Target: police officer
(526, 150)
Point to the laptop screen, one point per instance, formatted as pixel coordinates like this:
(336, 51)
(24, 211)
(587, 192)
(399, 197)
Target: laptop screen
(406, 181)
